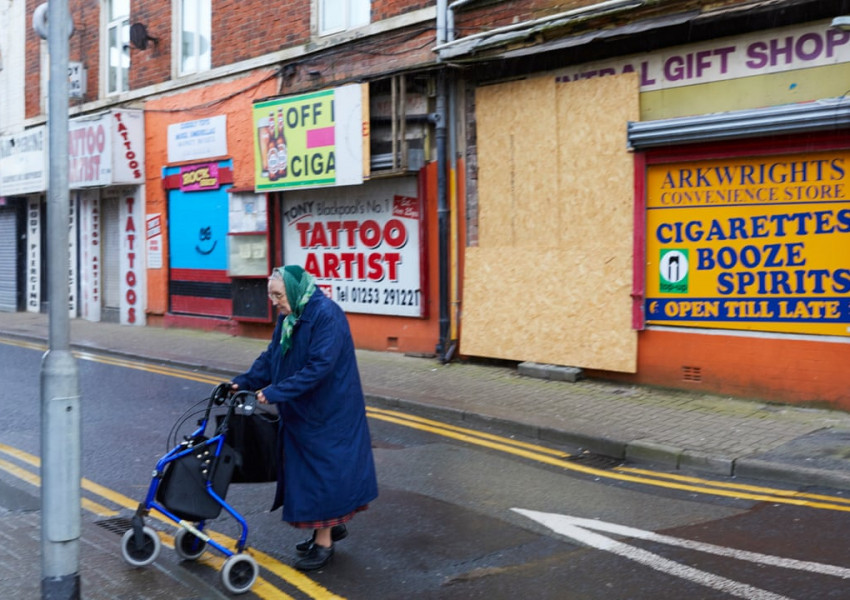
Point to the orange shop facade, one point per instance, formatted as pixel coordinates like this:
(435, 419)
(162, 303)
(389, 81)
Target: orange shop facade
(742, 221)
(690, 225)
(742, 284)
(745, 266)
(742, 191)
(266, 180)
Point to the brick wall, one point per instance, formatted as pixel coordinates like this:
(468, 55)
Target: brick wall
(241, 30)
(152, 64)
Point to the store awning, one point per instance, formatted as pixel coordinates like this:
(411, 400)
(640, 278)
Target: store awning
(823, 115)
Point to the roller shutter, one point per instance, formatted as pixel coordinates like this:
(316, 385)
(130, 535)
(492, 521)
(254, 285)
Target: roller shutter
(8, 261)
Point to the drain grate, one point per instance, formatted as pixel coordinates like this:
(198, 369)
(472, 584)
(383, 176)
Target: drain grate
(117, 525)
(596, 461)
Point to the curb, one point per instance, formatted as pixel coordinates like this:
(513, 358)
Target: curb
(639, 451)
(755, 468)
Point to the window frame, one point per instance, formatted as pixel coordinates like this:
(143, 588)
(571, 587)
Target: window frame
(122, 25)
(350, 16)
(199, 61)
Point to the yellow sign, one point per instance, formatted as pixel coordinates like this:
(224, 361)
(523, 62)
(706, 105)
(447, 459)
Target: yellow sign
(309, 140)
(755, 243)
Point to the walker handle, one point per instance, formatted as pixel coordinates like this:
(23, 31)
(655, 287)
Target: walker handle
(245, 399)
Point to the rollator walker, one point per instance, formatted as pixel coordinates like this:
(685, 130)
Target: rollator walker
(188, 487)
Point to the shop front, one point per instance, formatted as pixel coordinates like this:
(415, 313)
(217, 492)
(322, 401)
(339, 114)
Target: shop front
(676, 217)
(106, 177)
(23, 183)
(363, 237)
(289, 179)
(745, 267)
(744, 215)
(218, 234)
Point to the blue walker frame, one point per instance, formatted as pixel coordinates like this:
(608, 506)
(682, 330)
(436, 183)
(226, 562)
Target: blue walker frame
(222, 394)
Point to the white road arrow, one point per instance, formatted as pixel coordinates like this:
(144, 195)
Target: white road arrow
(583, 531)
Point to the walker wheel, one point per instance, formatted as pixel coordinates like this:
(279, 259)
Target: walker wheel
(140, 553)
(239, 573)
(188, 546)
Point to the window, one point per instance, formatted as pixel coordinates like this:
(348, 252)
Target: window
(118, 46)
(340, 15)
(195, 31)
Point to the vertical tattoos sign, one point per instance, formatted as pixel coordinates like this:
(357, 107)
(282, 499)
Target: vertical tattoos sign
(754, 243)
(364, 249)
(132, 262)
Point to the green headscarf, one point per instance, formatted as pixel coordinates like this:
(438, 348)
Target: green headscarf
(299, 285)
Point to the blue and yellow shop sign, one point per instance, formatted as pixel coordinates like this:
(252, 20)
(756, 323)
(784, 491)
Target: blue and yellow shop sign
(754, 243)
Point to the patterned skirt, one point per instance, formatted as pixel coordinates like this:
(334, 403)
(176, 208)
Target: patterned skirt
(328, 522)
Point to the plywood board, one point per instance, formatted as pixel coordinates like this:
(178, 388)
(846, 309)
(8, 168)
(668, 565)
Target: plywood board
(519, 153)
(554, 285)
(525, 309)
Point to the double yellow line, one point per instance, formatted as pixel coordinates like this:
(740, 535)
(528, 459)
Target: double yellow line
(525, 450)
(562, 460)
(533, 452)
(262, 588)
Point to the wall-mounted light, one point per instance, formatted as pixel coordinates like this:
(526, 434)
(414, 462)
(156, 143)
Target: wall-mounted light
(842, 23)
(139, 37)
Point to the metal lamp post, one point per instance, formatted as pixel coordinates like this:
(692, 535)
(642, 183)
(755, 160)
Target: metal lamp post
(60, 396)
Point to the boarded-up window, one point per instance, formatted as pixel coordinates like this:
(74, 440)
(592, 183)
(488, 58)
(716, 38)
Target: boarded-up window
(551, 279)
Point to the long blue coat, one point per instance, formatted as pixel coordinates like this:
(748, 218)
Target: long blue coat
(326, 468)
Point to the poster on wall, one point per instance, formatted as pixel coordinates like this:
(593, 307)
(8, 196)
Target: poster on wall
(311, 140)
(197, 140)
(364, 246)
(750, 244)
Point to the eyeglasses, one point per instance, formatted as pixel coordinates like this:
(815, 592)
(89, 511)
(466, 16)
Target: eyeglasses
(275, 296)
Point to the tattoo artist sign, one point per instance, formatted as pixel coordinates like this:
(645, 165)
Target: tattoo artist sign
(364, 250)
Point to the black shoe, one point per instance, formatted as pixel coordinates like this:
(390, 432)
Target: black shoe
(316, 558)
(338, 532)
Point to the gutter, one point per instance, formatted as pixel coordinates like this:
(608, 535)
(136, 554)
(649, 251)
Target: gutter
(519, 31)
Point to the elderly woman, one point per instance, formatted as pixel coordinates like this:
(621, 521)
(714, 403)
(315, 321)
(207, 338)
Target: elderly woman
(309, 370)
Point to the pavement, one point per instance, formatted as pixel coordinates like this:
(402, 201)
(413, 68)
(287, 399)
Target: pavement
(697, 433)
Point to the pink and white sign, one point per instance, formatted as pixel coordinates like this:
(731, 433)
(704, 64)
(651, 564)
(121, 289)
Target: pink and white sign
(106, 150)
(364, 246)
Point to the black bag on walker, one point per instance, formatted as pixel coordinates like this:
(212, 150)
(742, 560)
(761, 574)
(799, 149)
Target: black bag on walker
(183, 489)
(254, 437)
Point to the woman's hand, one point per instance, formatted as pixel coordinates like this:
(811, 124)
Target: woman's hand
(261, 397)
